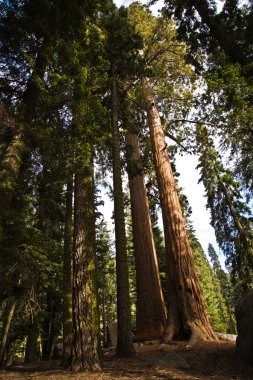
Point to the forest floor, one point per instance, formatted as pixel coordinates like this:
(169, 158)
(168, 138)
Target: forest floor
(205, 361)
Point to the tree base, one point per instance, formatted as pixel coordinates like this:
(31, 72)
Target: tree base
(194, 334)
(125, 352)
(85, 367)
(148, 333)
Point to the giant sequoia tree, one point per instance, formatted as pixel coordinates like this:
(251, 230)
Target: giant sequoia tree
(187, 315)
(150, 308)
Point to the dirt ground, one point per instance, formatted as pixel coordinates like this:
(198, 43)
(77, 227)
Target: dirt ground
(213, 360)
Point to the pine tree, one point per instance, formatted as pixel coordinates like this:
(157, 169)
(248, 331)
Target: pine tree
(216, 304)
(226, 288)
(228, 211)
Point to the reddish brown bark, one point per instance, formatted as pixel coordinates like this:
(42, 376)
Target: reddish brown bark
(187, 316)
(150, 308)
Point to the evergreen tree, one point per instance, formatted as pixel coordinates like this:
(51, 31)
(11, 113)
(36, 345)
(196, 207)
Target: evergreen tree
(122, 53)
(219, 313)
(228, 212)
(230, 28)
(226, 288)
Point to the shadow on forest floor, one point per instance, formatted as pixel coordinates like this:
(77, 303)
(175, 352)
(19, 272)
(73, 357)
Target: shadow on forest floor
(205, 361)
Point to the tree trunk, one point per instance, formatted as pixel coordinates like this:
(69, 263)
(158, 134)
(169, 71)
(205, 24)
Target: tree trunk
(103, 319)
(31, 350)
(67, 279)
(124, 337)
(9, 314)
(187, 316)
(150, 310)
(10, 353)
(85, 353)
(50, 334)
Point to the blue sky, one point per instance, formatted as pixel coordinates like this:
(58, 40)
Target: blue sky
(154, 8)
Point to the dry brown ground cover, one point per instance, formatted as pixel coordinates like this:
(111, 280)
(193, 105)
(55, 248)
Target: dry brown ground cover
(213, 360)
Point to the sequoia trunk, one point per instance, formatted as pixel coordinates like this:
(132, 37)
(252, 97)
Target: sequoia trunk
(85, 352)
(124, 338)
(187, 316)
(150, 310)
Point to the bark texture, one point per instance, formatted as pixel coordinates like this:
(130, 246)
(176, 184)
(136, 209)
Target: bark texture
(187, 316)
(124, 338)
(85, 352)
(67, 278)
(9, 314)
(150, 308)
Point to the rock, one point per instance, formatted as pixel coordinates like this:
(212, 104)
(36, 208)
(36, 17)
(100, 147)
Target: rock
(150, 342)
(142, 348)
(244, 320)
(167, 347)
(228, 337)
(167, 360)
